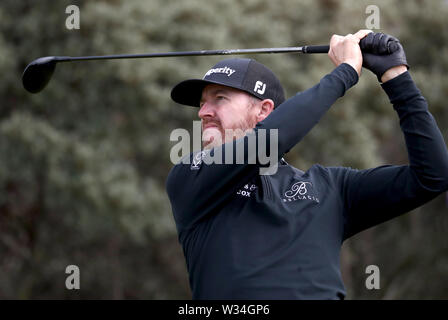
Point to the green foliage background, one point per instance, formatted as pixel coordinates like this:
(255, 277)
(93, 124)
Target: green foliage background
(83, 163)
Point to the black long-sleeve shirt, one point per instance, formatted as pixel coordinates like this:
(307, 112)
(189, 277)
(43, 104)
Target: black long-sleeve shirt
(252, 236)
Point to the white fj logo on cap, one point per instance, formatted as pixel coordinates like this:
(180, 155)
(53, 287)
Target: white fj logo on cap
(260, 87)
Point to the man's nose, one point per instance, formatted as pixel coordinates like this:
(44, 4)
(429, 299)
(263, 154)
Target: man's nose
(206, 110)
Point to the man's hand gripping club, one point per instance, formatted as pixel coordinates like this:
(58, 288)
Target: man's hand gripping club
(381, 53)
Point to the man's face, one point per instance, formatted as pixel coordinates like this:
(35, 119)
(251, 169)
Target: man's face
(224, 108)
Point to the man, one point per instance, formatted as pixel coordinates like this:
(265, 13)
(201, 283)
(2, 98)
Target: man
(252, 236)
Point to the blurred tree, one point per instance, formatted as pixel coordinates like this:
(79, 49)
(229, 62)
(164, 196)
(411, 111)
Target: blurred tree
(83, 164)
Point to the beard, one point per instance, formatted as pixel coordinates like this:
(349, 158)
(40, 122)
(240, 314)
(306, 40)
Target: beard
(213, 136)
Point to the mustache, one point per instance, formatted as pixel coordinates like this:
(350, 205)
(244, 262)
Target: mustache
(207, 122)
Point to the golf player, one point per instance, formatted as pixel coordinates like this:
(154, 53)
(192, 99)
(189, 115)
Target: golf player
(247, 235)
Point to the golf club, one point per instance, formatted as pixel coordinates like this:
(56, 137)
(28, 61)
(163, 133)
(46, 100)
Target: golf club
(38, 73)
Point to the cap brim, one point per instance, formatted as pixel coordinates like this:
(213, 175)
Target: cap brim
(188, 92)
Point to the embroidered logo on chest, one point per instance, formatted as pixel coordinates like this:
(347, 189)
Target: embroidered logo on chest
(197, 160)
(301, 190)
(247, 190)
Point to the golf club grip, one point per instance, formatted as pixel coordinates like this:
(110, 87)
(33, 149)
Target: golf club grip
(316, 49)
(369, 45)
(392, 46)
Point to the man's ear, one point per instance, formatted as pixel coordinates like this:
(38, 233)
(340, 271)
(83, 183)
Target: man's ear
(267, 105)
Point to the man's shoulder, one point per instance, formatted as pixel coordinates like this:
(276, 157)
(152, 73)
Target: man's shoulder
(318, 168)
(188, 160)
(327, 172)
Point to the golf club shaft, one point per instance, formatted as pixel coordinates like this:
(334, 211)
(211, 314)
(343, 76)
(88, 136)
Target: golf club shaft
(38, 73)
(303, 49)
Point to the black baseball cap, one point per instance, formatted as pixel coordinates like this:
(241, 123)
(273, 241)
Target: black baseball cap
(244, 74)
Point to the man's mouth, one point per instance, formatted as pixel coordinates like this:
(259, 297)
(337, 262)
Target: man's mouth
(210, 125)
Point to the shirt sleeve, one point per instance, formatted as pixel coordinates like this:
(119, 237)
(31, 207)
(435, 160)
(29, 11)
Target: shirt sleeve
(195, 192)
(376, 195)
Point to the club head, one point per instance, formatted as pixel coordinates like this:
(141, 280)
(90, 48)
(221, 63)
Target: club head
(38, 73)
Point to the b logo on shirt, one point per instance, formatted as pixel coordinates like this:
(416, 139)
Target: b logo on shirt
(301, 190)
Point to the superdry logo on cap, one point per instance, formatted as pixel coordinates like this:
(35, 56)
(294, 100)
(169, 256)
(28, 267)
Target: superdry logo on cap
(225, 70)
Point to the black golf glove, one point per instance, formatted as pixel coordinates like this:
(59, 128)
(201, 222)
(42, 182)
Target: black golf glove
(380, 52)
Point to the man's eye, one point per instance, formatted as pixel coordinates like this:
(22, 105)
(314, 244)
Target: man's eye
(220, 98)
